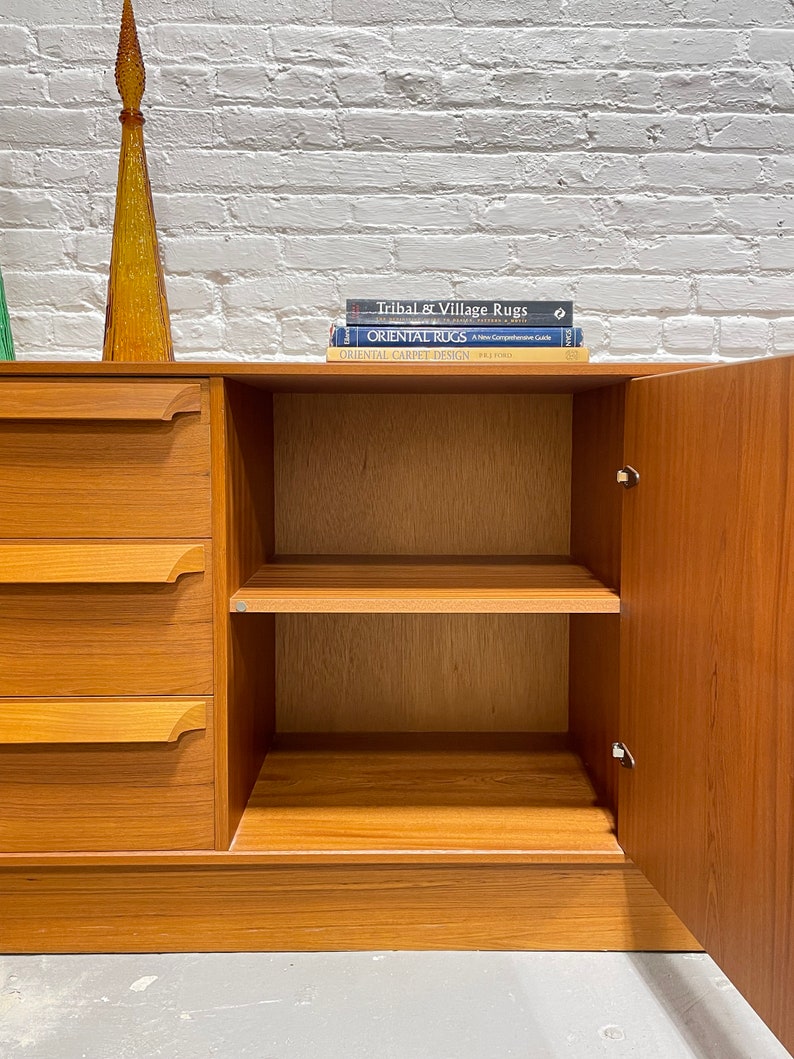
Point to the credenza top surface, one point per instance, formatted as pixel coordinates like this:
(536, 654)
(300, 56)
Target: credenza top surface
(340, 378)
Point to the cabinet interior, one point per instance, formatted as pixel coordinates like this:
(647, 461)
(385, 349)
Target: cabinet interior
(423, 621)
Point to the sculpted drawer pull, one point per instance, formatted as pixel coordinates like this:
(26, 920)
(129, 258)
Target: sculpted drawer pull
(24, 722)
(72, 400)
(91, 563)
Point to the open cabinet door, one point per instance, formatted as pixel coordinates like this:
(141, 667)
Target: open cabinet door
(707, 687)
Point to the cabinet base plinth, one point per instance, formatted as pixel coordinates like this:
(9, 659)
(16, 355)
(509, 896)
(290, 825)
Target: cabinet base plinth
(231, 908)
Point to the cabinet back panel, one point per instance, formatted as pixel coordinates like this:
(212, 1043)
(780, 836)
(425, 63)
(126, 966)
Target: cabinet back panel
(422, 474)
(421, 672)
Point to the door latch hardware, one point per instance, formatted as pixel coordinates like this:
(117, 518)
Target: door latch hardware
(622, 753)
(628, 477)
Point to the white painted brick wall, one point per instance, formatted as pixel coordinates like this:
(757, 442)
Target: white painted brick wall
(635, 155)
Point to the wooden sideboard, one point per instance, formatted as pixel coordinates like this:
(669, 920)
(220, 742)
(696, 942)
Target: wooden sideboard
(323, 657)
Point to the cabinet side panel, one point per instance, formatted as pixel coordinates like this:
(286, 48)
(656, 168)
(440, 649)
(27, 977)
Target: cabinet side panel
(708, 665)
(242, 452)
(596, 505)
(422, 474)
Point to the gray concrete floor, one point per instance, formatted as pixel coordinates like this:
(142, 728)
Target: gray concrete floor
(393, 1005)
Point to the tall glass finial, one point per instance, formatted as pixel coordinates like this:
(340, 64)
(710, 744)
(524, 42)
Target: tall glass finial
(137, 325)
(6, 338)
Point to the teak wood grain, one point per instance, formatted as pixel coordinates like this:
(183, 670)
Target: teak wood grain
(95, 400)
(81, 720)
(59, 640)
(422, 474)
(421, 672)
(99, 562)
(98, 797)
(403, 795)
(111, 479)
(424, 585)
(242, 479)
(322, 908)
(596, 512)
(708, 664)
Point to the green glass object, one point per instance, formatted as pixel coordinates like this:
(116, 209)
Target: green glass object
(6, 339)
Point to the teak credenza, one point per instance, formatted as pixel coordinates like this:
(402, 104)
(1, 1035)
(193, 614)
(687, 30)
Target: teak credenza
(320, 657)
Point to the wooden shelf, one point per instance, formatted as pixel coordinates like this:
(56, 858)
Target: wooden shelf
(408, 795)
(424, 585)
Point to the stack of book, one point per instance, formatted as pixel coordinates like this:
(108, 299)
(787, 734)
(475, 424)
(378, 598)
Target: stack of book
(478, 332)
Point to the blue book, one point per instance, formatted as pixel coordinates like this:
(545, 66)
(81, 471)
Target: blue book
(357, 337)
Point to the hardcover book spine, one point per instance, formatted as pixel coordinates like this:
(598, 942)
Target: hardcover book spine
(490, 313)
(458, 354)
(456, 336)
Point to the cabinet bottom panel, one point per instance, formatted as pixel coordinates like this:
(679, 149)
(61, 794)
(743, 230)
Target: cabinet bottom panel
(474, 794)
(231, 908)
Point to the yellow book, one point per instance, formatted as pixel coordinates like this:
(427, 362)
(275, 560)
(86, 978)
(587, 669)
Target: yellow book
(458, 354)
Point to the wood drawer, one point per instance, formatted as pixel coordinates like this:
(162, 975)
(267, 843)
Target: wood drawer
(93, 458)
(94, 618)
(104, 793)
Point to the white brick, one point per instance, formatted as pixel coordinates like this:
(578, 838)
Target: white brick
(82, 45)
(183, 85)
(699, 172)
(19, 85)
(343, 170)
(47, 127)
(35, 249)
(469, 253)
(646, 132)
(506, 12)
(338, 253)
(517, 287)
(783, 336)
(522, 213)
(271, 12)
(188, 295)
(196, 336)
(282, 129)
(92, 250)
(689, 335)
(412, 86)
(35, 12)
(305, 336)
(471, 88)
(694, 253)
(395, 129)
(22, 208)
(737, 12)
(633, 293)
(573, 252)
(759, 212)
(84, 88)
(489, 172)
(324, 213)
(189, 211)
(30, 331)
(681, 47)
(661, 213)
(518, 130)
(774, 132)
(369, 12)
(743, 336)
(394, 285)
(777, 252)
(746, 293)
(220, 254)
(16, 44)
(772, 45)
(79, 170)
(285, 291)
(413, 211)
(360, 88)
(254, 337)
(611, 172)
(740, 294)
(245, 82)
(328, 45)
(302, 87)
(218, 43)
(66, 291)
(78, 330)
(637, 335)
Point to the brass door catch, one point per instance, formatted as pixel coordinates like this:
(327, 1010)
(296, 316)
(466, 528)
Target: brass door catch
(628, 477)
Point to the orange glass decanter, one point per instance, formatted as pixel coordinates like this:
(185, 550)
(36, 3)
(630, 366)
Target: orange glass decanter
(137, 325)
